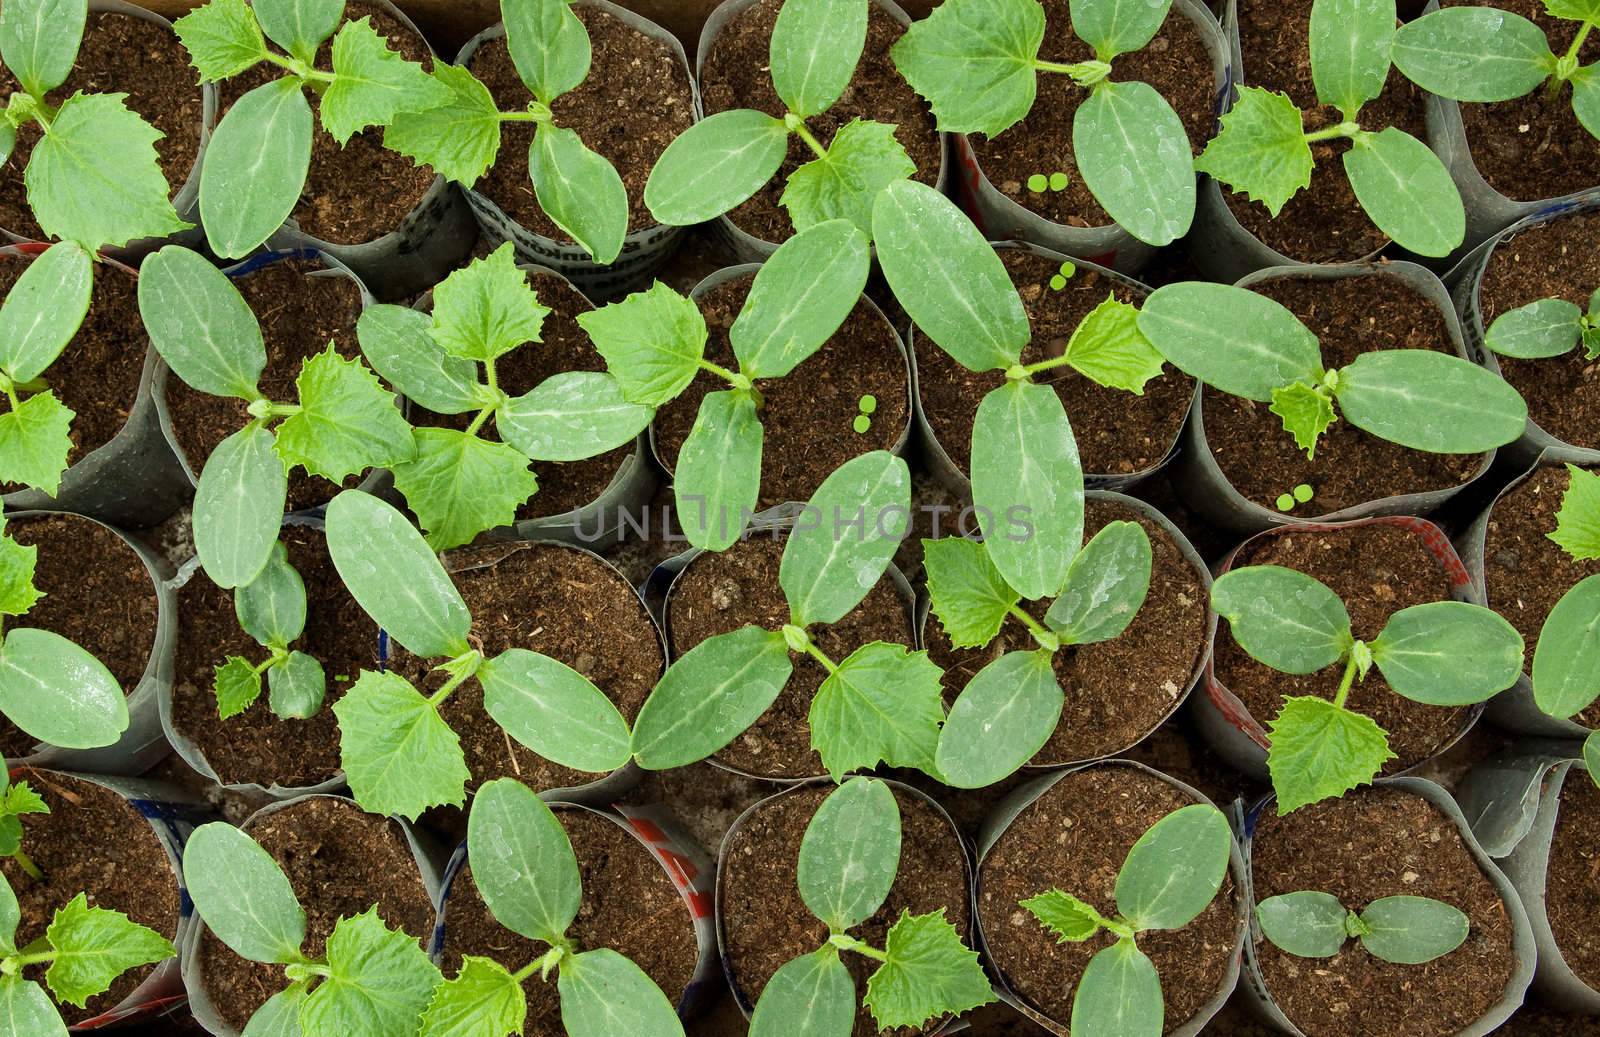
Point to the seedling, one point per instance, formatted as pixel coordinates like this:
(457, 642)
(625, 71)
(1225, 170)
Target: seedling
(1059, 279)
(344, 422)
(1245, 344)
(1403, 930)
(1264, 150)
(93, 177)
(1566, 661)
(1301, 494)
(371, 979)
(881, 703)
(1546, 328)
(272, 609)
(977, 62)
(654, 344)
(867, 406)
(1169, 877)
(398, 753)
(1442, 653)
(849, 857)
(527, 874)
(256, 164)
(16, 800)
(722, 160)
(1038, 183)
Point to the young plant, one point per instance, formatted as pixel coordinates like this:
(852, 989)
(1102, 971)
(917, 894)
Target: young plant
(1442, 653)
(1245, 344)
(1264, 149)
(722, 160)
(16, 800)
(371, 979)
(1566, 660)
(344, 422)
(848, 860)
(654, 343)
(256, 164)
(1169, 877)
(527, 874)
(977, 62)
(578, 189)
(398, 753)
(272, 609)
(1546, 328)
(1403, 930)
(881, 703)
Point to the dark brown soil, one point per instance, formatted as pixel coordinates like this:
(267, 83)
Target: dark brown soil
(127, 55)
(560, 602)
(1376, 570)
(1352, 315)
(340, 203)
(1322, 223)
(735, 73)
(1175, 62)
(1118, 433)
(1556, 260)
(256, 745)
(719, 593)
(81, 566)
(765, 923)
(299, 316)
(93, 842)
(1370, 844)
(1571, 898)
(807, 415)
(634, 103)
(1075, 838)
(629, 905)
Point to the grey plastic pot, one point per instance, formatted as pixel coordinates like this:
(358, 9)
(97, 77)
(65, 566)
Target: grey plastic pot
(643, 251)
(1207, 489)
(1020, 799)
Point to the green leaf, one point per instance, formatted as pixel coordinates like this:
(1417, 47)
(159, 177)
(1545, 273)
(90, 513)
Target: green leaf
(1448, 653)
(974, 62)
(1591, 756)
(1115, 27)
(1261, 150)
(1175, 869)
(27, 1010)
(459, 485)
(482, 1000)
(579, 190)
(237, 686)
(809, 996)
(1000, 721)
(242, 895)
(34, 444)
(814, 50)
(709, 696)
(1575, 10)
(222, 38)
(296, 687)
(255, 167)
(1407, 191)
(1320, 751)
(522, 861)
(1412, 930)
(1540, 329)
(1307, 924)
(460, 138)
(714, 165)
(44, 310)
(571, 416)
(8, 141)
(372, 84)
(1350, 45)
(93, 946)
(379, 981)
(799, 298)
(1586, 98)
(1108, 348)
(604, 994)
(1119, 995)
(863, 158)
(548, 44)
(1283, 618)
(280, 1016)
(966, 591)
(1133, 154)
(850, 853)
(347, 421)
(942, 270)
(487, 308)
(399, 755)
(1578, 520)
(1430, 401)
(299, 26)
(59, 693)
(652, 342)
(200, 324)
(1567, 658)
(238, 506)
(272, 607)
(883, 703)
(1064, 915)
(17, 563)
(41, 58)
(397, 341)
(1233, 339)
(928, 972)
(1474, 54)
(554, 710)
(1106, 586)
(717, 481)
(1306, 414)
(830, 564)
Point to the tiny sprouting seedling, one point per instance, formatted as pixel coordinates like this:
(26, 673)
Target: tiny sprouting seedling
(722, 160)
(849, 857)
(654, 343)
(15, 800)
(272, 609)
(345, 421)
(1441, 653)
(526, 872)
(370, 979)
(881, 703)
(1264, 149)
(977, 62)
(1301, 494)
(1059, 279)
(1546, 328)
(256, 164)
(1242, 343)
(1404, 930)
(1171, 874)
(1038, 183)
(93, 177)
(866, 407)
(1566, 660)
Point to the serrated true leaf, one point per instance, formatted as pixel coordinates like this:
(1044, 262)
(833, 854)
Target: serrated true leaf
(1320, 751)
(1119, 995)
(1407, 191)
(1108, 348)
(522, 861)
(809, 996)
(1305, 413)
(238, 506)
(1546, 328)
(347, 421)
(1430, 401)
(1578, 520)
(815, 47)
(1448, 653)
(237, 686)
(17, 565)
(604, 994)
(554, 710)
(580, 190)
(863, 158)
(652, 341)
(883, 704)
(93, 946)
(1064, 915)
(1476, 53)
(928, 973)
(1567, 660)
(974, 62)
(799, 298)
(487, 308)
(717, 480)
(850, 853)
(967, 592)
(1412, 930)
(1308, 923)
(255, 167)
(459, 485)
(372, 84)
(548, 44)
(39, 41)
(222, 38)
(1133, 154)
(460, 138)
(1001, 719)
(1283, 618)
(482, 1000)
(571, 416)
(1233, 339)
(201, 324)
(59, 693)
(845, 537)
(1175, 868)
(1261, 151)
(242, 895)
(44, 309)
(709, 695)
(379, 981)
(398, 342)
(399, 755)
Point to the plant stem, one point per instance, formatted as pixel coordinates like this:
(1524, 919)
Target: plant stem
(456, 680)
(846, 942)
(1044, 365)
(798, 126)
(26, 864)
(1045, 638)
(1346, 681)
(483, 416)
(820, 656)
(733, 378)
(1343, 129)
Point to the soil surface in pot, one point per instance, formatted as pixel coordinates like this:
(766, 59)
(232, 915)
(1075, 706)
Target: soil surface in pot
(1118, 433)
(299, 316)
(340, 862)
(557, 601)
(1533, 147)
(256, 746)
(123, 54)
(1370, 844)
(97, 594)
(765, 924)
(1117, 691)
(1571, 899)
(807, 415)
(736, 73)
(635, 101)
(1351, 316)
(1322, 223)
(1376, 570)
(1175, 62)
(339, 203)
(94, 842)
(629, 905)
(1074, 838)
(1555, 260)
(720, 592)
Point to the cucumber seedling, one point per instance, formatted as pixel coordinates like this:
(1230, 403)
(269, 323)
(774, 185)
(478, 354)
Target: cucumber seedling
(1566, 659)
(272, 609)
(1404, 930)
(1546, 328)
